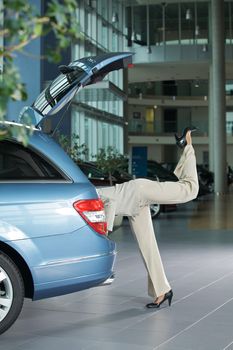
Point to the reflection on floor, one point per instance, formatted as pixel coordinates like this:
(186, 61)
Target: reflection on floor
(196, 244)
(213, 212)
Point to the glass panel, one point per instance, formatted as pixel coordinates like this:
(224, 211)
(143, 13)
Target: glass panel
(114, 137)
(172, 24)
(229, 87)
(197, 87)
(187, 23)
(169, 88)
(87, 23)
(229, 123)
(114, 41)
(104, 135)
(86, 128)
(201, 29)
(227, 22)
(88, 48)
(128, 19)
(139, 26)
(104, 9)
(231, 21)
(104, 34)
(170, 120)
(156, 24)
(115, 14)
(120, 139)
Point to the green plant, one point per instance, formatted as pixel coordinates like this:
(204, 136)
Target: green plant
(73, 148)
(20, 25)
(110, 161)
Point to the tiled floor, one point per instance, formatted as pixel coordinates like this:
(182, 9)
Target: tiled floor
(197, 252)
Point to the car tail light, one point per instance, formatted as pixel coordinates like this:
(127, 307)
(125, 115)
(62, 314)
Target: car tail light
(92, 211)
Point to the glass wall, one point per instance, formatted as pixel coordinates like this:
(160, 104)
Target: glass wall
(156, 25)
(228, 22)
(202, 23)
(172, 32)
(229, 123)
(139, 34)
(101, 23)
(187, 23)
(171, 88)
(96, 134)
(169, 24)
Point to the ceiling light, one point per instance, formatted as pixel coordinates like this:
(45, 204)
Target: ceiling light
(155, 106)
(134, 36)
(188, 14)
(196, 84)
(204, 48)
(115, 18)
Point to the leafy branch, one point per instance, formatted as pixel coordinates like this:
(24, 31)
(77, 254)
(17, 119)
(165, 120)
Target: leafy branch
(109, 161)
(74, 149)
(20, 25)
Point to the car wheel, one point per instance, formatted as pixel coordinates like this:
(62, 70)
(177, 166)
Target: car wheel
(155, 210)
(11, 292)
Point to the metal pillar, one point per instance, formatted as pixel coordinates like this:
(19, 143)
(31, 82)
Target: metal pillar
(125, 114)
(218, 97)
(211, 124)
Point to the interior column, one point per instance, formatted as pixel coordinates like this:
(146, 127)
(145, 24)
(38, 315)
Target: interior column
(218, 96)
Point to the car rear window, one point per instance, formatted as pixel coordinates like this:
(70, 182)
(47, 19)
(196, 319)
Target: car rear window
(20, 163)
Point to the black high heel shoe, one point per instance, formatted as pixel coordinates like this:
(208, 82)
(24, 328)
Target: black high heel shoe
(167, 296)
(181, 141)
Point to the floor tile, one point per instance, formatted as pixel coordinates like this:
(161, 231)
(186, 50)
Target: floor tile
(198, 262)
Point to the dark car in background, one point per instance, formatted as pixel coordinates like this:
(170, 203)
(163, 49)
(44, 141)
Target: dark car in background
(205, 178)
(155, 171)
(96, 176)
(99, 178)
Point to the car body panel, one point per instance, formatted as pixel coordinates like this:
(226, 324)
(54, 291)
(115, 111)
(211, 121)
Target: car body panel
(156, 171)
(40, 208)
(66, 261)
(44, 144)
(38, 220)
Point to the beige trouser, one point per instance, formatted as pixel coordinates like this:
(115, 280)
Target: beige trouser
(151, 192)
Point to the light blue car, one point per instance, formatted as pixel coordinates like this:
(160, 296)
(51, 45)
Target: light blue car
(52, 225)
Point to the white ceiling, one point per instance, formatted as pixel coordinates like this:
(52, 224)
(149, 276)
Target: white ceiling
(169, 71)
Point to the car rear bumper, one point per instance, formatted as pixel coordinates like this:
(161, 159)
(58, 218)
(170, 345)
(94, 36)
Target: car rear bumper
(78, 274)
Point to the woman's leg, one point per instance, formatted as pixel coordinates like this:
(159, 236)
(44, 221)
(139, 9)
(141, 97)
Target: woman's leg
(168, 192)
(146, 192)
(143, 230)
